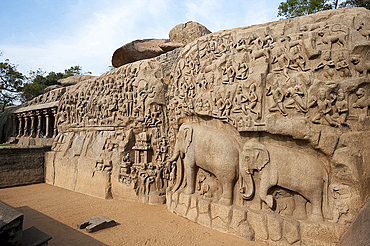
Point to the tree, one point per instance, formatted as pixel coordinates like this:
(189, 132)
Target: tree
(356, 3)
(294, 8)
(11, 83)
(38, 81)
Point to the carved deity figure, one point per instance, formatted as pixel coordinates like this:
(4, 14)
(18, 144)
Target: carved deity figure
(239, 100)
(341, 108)
(323, 108)
(326, 64)
(296, 94)
(228, 73)
(278, 96)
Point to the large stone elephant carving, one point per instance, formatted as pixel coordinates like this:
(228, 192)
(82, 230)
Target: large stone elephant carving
(211, 150)
(281, 166)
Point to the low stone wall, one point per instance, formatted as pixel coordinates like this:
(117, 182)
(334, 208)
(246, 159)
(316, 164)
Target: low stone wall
(21, 166)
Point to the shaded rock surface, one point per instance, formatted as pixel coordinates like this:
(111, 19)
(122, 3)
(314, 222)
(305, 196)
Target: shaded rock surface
(142, 49)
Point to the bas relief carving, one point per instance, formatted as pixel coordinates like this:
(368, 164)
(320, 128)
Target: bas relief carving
(277, 99)
(260, 132)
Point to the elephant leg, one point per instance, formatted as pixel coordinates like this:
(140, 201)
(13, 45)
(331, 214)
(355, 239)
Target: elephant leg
(227, 193)
(316, 201)
(264, 187)
(191, 172)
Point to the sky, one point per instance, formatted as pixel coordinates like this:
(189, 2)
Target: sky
(53, 35)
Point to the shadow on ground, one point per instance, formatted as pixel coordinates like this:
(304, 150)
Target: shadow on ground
(61, 233)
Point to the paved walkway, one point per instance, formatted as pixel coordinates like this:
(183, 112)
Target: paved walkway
(56, 211)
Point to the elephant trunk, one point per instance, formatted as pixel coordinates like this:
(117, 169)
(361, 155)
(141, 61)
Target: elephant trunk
(175, 155)
(247, 178)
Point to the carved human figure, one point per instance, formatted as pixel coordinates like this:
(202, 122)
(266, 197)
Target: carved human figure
(323, 108)
(239, 100)
(253, 100)
(282, 61)
(296, 94)
(228, 73)
(278, 98)
(342, 66)
(243, 70)
(341, 108)
(227, 106)
(326, 64)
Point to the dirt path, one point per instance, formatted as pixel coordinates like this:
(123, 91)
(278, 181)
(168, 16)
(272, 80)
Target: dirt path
(56, 211)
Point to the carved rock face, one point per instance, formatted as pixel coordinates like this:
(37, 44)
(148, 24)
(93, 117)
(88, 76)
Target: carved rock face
(188, 32)
(142, 49)
(74, 79)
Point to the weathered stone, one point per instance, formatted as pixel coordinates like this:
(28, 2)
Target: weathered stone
(96, 223)
(203, 206)
(192, 214)
(52, 87)
(291, 231)
(204, 219)
(11, 223)
(181, 209)
(72, 80)
(142, 49)
(274, 227)
(188, 32)
(257, 221)
(271, 120)
(325, 233)
(22, 166)
(358, 232)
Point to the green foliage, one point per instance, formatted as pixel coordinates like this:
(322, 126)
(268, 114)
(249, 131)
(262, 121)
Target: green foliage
(294, 8)
(11, 83)
(356, 3)
(38, 81)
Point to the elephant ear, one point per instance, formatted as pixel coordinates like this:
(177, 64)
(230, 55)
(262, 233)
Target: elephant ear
(188, 136)
(262, 158)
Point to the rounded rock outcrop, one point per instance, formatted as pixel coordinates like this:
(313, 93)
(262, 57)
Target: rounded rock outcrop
(142, 49)
(188, 32)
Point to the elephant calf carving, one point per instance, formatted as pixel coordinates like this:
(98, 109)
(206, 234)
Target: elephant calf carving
(214, 151)
(287, 168)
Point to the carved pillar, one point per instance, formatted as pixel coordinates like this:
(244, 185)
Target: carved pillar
(39, 123)
(20, 129)
(25, 130)
(54, 126)
(47, 123)
(33, 133)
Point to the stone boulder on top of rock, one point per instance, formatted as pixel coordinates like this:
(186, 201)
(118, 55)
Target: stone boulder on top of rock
(142, 49)
(188, 32)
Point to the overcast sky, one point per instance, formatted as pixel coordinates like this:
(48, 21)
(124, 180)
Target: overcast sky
(54, 35)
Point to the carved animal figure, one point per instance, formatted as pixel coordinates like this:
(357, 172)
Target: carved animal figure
(290, 169)
(214, 151)
(256, 53)
(362, 66)
(333, 36)
(364, 32)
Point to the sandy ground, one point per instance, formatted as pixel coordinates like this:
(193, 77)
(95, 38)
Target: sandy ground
(56, 211)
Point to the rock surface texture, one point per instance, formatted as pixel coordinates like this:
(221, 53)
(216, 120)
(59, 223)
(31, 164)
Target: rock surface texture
(261, 132)
(142, 49)
(188, 32)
